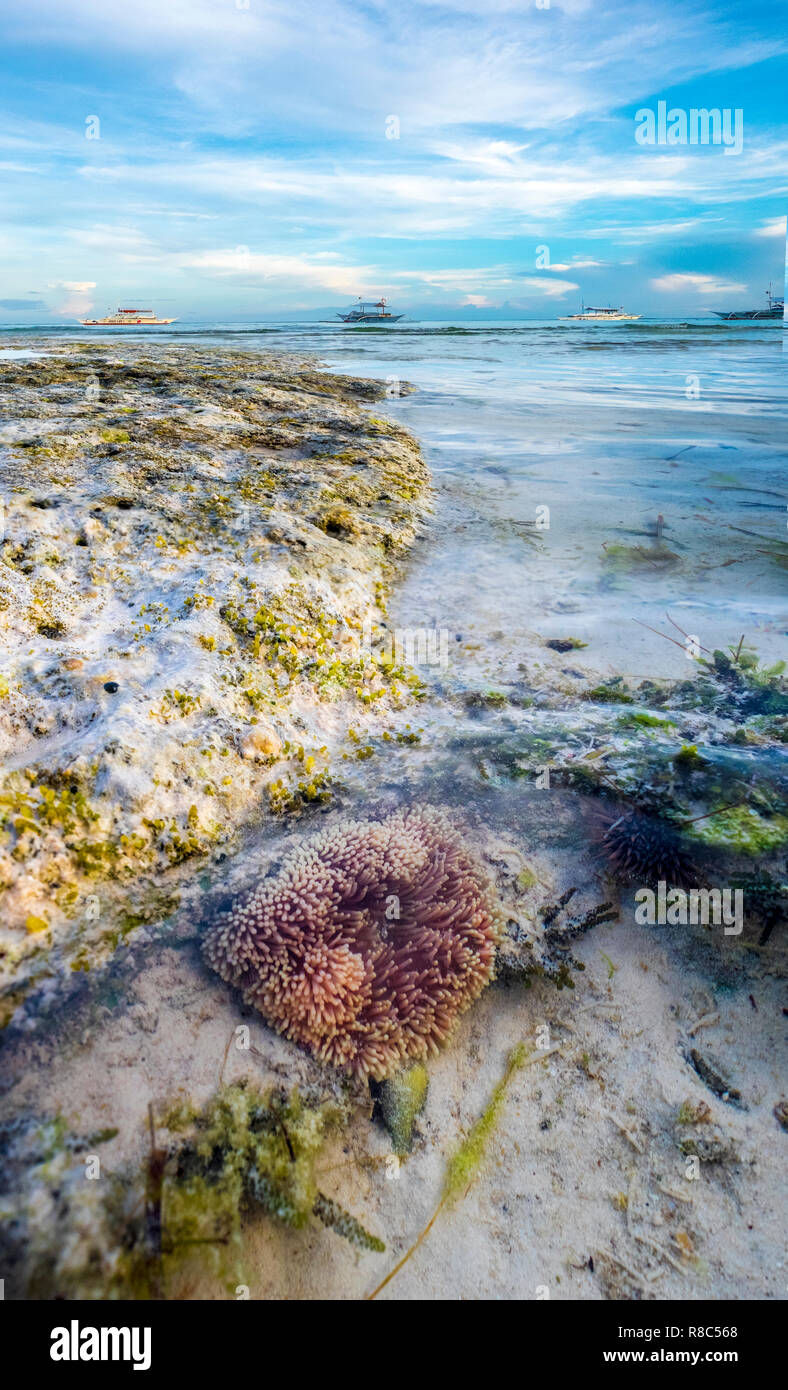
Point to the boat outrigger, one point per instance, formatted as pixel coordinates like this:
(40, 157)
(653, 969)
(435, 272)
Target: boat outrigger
(775, 310)
(366, 312)
(126, 318)
(589, 315)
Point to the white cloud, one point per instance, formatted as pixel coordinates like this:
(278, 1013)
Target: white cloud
(696, 283)
(441, 67)
(314, 271)
(551, 289)
(772, 227)
(640, 233)
(577, 263)
(416, 197)
(126, 243)
(79, 301)
(482, 286)
(491, 156)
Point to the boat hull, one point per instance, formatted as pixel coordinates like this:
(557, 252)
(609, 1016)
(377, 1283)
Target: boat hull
(124, 323)
(598, 318)
(749, 315)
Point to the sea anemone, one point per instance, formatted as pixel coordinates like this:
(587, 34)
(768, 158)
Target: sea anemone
(369, 943)
(644, 849)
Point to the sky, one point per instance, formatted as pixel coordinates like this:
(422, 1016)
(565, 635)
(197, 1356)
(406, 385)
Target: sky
(470, 159)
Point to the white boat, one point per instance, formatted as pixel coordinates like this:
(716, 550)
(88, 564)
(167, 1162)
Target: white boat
(589, 315)
(126, 318)
(366, 312)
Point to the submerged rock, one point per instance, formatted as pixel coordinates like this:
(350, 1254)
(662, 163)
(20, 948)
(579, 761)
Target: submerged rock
(400, 1099)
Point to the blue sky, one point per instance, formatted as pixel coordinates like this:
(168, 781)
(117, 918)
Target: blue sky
(244, 165)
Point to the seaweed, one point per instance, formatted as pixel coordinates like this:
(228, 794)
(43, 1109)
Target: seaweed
(251, 1152)
(399, 1099)
(464, 1164)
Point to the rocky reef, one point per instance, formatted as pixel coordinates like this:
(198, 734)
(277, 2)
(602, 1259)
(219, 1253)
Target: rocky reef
(193, 542)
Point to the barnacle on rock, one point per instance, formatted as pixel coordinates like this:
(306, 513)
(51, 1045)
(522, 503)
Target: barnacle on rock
(369, 943)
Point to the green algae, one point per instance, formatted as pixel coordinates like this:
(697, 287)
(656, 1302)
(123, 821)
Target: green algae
(285, 800)
(250, 1152)
(688, 757)
(29, 802)
(611, 693)
(400, 1099)
(639, 559)
(638, 719)
(337, 1219)
(464, 1164)
(468, 1158)
(152, 1232)
(742, 829)
(338, 521)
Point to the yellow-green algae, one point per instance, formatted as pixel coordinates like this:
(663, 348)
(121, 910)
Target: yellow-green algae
(181, 1218)
(467, 1159)
(401, 1098)
(250, 1152)
(465, 1162)
(742, 829)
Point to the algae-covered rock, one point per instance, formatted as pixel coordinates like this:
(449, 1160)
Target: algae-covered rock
(400, 1099)
(194, 550)
(138, 1232)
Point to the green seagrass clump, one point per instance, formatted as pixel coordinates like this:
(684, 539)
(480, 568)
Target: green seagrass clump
(248, 1152)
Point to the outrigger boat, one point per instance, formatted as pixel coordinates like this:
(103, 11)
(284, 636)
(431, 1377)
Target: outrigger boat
(598, 315)
(775, 310)
(366, 312)
(126, 318)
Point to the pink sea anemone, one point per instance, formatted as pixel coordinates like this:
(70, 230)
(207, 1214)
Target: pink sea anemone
(367, 946)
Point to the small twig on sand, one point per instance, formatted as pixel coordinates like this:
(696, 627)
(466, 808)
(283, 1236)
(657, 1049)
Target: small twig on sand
(717, 811)
(656, 630)
(683, 633)
(705, 1022)
(681, 645)
(633, 1139)
(224, 1059)
(637, 1279)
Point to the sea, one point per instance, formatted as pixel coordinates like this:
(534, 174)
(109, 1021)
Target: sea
(623, 486)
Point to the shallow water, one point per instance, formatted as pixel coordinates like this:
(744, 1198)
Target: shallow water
(589, 480)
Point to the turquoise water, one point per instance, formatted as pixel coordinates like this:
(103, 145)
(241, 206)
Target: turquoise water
(655, 452)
